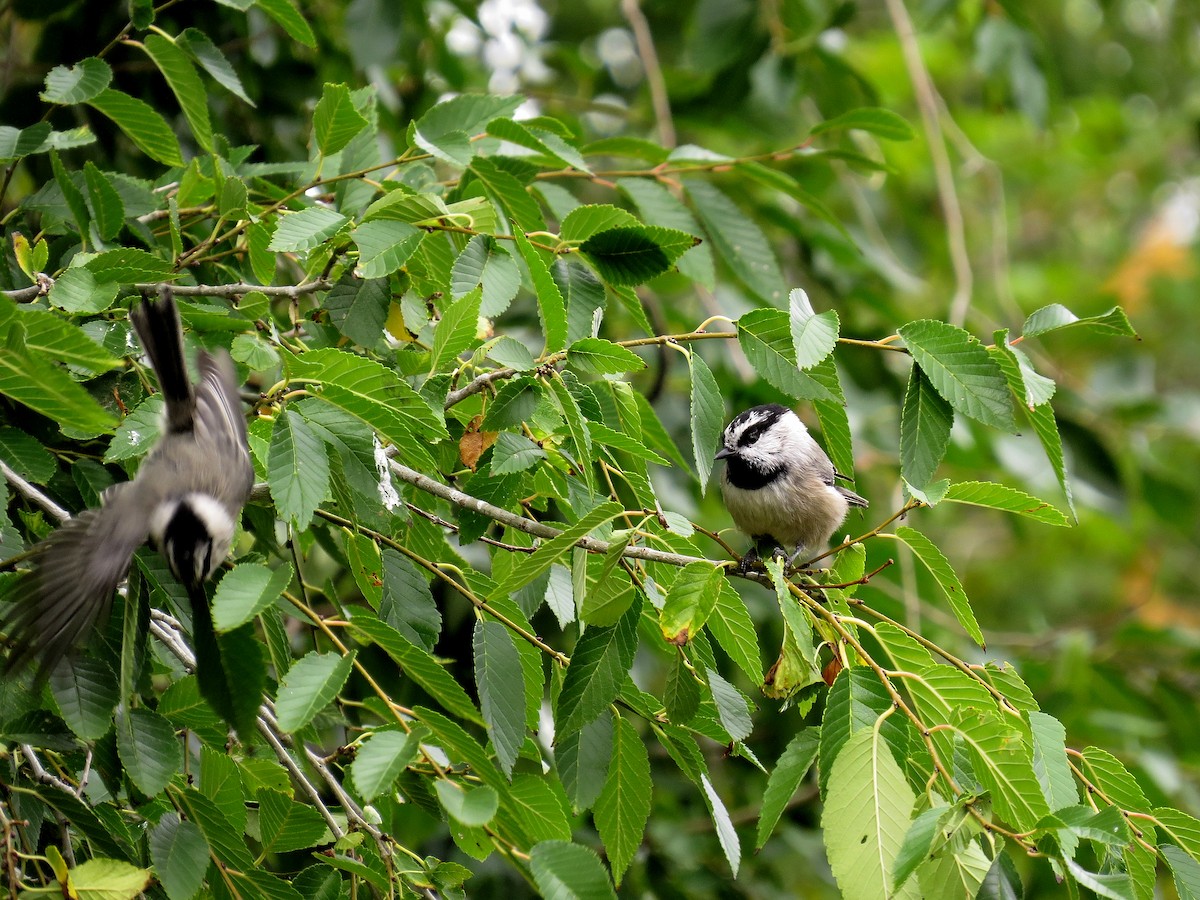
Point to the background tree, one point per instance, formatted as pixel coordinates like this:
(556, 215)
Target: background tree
(490, 342)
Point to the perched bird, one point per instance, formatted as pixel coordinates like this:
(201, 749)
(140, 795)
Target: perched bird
(778, 483)
(186, 498)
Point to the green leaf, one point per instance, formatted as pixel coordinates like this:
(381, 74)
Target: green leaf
(998, 496)
(1050, 761)
(918, 841)
(220, 780)
(358, 308)
(533, 139)
(623, 807)
(584, 222)
(380, 760)
(487, 262)
(1044, 424)
(509, 192)
(384, 245)
(406, 602)
(309, 686)
(138, 431)
(297, 469)
(707, 419)
(77, 84)
(939, 567)
(576, 427)
(540, 805)
(564, 871)
(147, 129)
(98, 877)
(49, 390)
(335, 120)
(514, 453)
(633, 255)
(1056, 316)
(596, 356)
(794, 763)
(180, 856)
(508, 351)
(726, 833)
(201, 48)
(1113, 780)
(599, 664)
(551, 309)
(681, 693)
(108, 212)
(25, 455)
(554, 549)
(86, 693)
(739, 241)
(881, 122)
(459, 745)
(287, 825)
(690, 601)
(245, 591)
(473, 807)
(306, 229)
(48, 333)
(445, 129)
(867, 813)
(1184, 869)
(78, 291)
(813, 335)
(189, 90)
(1003, 763)
(731, 625)
(765, 336)
(658, 206)
(129, 264)
(149, 750)
(226, 843)
(456, 331)
(72, 195)
(925, 422)
(369, 392)
(731, 707)
(856, 701)
(290, 19)
(582, 758)
(962, 371)
(501, 685)
(417, 664)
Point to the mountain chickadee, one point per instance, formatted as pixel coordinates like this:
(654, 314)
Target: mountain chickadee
(186, 498)
(778, 482)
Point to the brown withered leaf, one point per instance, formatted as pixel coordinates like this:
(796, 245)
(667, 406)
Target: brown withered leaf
(474, 442)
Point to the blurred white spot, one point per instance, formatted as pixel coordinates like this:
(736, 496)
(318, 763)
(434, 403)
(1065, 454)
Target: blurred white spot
(387, 491)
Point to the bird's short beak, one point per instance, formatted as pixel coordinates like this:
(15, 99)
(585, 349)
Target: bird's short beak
(724, 452)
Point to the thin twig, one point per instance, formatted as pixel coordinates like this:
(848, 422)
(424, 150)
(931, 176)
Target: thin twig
(632, 10)
(29, 492)
(926, 95)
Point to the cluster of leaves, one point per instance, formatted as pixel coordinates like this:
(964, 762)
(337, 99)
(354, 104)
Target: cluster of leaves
(445, 428)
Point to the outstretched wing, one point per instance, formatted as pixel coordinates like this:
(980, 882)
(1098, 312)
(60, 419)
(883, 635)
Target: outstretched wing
(220, 423)
(70, 589)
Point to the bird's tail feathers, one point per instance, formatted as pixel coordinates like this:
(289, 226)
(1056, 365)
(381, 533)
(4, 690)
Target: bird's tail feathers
(159, 330)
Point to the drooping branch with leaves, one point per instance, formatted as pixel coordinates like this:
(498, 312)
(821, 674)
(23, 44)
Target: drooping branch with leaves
(474, 611)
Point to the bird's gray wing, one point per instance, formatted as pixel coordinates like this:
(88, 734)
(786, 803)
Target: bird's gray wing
(220, 424)
(70, 590)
